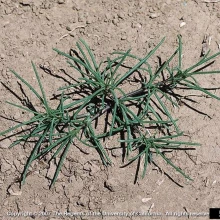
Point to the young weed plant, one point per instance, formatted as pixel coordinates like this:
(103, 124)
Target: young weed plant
(143, 116)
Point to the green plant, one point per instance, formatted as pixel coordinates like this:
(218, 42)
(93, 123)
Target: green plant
(143, 115)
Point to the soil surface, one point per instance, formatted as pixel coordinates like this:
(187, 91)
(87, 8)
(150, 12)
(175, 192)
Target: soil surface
(29, 31)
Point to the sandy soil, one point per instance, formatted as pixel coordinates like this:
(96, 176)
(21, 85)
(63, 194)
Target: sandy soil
(29, 31)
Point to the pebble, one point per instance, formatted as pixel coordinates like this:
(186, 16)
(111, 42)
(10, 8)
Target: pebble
(61, 1)
(154, 15)
(25, 2)
(116, 152)
(92, 205)
(144, 200)
(120, 15)
(68, 28)
(37, 201)
(123, 37)
(89, 20)
(182, 24)
(87, 166)
(83, 200)
(112, 184)
(136, 25)
(5, 203)
(17, 115)
(94, 169)
(14, 190)
(214, 182)
(91, 167)
(115, 21)
(2, 55)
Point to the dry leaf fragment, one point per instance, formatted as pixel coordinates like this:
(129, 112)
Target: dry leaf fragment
(205, 45)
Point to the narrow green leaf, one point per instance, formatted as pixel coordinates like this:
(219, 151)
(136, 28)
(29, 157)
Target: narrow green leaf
(28, 85)
(139, 64)
(41, 88)
(61, 162)
(90, 54)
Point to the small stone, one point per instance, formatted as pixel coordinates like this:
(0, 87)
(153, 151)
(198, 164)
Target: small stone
(61, 1)
(5, 203)
(89, 20)
(116, 152)
(37, 201)
(94, 169)
(25, 2)
(17, 115)
(81, 17)
(154, 15)
(136, 25)
(120, 15)
(83, 200)
(2, 55)
(123, 37)
(68, 28)
(144, 200)
(214, 182)
(115, 21)
(151, 10)
(14, 190)
(112, 184)
(87, 166)
(182, 24)
(92, 205)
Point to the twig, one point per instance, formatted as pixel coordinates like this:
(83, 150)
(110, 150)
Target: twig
(65, 35)
(211, 1)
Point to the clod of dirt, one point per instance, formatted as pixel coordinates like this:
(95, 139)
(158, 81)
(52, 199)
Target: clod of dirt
(17, 115)
(17, 165)
(14, 190)
(112, 184)
(92, 205)
(74, 187)
(83, 200)
(91, 167)
(37, 201)
(5, 166)
(87, 166)
(5, 143)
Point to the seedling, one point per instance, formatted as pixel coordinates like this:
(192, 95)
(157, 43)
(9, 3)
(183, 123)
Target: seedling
(143, 116)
